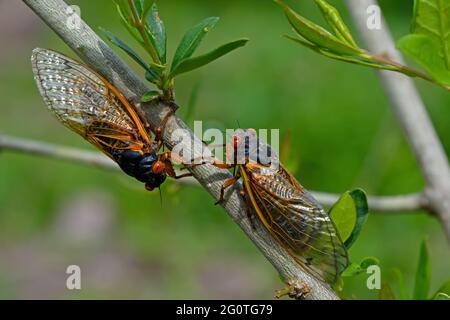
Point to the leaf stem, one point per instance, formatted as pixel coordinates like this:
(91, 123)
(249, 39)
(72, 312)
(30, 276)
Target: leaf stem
(140, 26)
(405, 69)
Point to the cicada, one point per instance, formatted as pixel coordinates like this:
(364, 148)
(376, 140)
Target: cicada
(285, 208)
(92, 107)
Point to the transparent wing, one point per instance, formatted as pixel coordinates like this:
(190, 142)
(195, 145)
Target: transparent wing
(297, 221)
(86, 103)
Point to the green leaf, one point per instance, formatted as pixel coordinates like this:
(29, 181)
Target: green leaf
(157, 32)
(403, 292)
(344, 215)
(139, 5)
(369, 261)
(151, 76)
(431, 18)
(355, 269)
(189, 64)
(443, 290)
(316, 34)
(335, 21)
(122, 45)
(331, 55)
(386, 292)
(192, 39)
(423, 274)
(425, 52)
(125, 19)
(441, 296)
(362, 212)
(146, 97)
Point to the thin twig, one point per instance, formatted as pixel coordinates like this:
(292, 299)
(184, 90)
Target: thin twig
(57, 152)
(411, 114)
(391, 204)
(101, 58)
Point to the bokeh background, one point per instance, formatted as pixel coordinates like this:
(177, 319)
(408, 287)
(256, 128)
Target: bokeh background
(129, 244)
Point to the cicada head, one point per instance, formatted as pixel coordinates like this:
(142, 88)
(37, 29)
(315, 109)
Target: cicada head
(245, 147)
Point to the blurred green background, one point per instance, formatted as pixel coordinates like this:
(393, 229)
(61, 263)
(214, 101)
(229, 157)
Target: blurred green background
(128, 244)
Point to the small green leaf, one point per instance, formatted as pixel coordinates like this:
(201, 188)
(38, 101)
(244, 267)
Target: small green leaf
(369, 261)
(316, 34)
(441, 296)
(157, 32)
(335, 21)
(386, 292)
(344, 216)
(423, 274)
(362, 212)
(194, 63)
(425, 51)
(443, 290)
(146, 97)
(353, 269)
(192, 39)
(158, 68)
(339, 284)
(151, 76)
(123, 10)
(126, 21)
(122, 45)
(139, 5)
(403, 292)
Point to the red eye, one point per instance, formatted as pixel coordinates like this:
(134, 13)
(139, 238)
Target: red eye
(158, 167)
(236, 142)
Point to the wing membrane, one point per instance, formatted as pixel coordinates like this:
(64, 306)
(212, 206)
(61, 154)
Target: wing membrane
(87, 104)
(296, 220)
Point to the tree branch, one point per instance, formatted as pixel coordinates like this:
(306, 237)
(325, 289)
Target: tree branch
(391, 204)
(411, 114)
(101, 58)
(58, 152)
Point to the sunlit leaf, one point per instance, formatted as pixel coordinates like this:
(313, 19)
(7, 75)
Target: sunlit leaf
(199, 61)
(316, 34)
(425, 52)
(362, 212)
(431, 18)
(192, 39)
(344, 215)
(335, 21)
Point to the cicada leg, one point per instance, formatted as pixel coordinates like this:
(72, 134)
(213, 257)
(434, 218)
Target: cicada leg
(166, 159)
(228, 183)
(250, 215)
(295, 289)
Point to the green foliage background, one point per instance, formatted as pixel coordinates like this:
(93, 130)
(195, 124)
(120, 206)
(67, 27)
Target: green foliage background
(343, 136)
